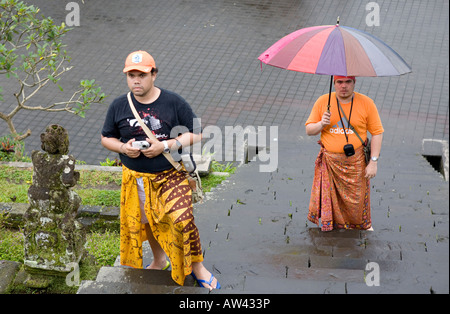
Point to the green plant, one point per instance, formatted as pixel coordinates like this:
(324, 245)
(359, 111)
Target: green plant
(11, 149)
(210, 181)
(32, 52)
(7, 146)
(218, 167)
(111, 163)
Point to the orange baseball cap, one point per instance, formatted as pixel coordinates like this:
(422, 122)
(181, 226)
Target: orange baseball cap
(140, 61)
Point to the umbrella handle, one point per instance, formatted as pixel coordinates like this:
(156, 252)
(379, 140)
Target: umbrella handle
(329, 94)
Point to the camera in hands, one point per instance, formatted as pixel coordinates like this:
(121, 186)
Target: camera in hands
(141, 144)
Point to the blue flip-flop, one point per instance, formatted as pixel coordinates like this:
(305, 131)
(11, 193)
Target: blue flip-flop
(200, 281)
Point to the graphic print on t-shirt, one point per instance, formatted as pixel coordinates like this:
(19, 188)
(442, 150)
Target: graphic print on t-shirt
(339, 128)
(153, 122)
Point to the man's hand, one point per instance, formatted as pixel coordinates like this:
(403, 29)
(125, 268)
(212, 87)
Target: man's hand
(315, 128)
(155, 149)
(326, 119)
(128, 149)
(371, 170)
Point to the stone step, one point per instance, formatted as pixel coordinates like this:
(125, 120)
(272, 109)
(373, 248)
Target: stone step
(129, 280)
(127, 275)
(8, 271)
(96, 287)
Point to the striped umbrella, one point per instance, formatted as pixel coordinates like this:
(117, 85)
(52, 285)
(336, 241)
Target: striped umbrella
(335, 50)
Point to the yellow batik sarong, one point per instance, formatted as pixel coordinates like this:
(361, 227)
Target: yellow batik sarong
(168, 207)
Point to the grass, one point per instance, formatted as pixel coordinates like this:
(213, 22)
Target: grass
(94, 187)
(11, 245)
(104, 246)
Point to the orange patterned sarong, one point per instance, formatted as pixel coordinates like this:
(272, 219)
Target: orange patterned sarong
(340, 194)
(168, 207)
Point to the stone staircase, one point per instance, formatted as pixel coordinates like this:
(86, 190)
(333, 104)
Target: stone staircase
(256, 238)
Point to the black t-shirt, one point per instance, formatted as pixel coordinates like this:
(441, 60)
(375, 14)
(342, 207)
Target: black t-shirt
(166, 117)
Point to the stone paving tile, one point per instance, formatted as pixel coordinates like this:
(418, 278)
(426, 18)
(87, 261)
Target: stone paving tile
(207, 52)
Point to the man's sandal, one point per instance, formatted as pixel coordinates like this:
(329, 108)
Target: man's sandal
(164, 268)
(200, 281)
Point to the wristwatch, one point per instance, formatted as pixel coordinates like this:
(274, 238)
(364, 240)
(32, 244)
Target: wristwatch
(166, 147)
(374, 159)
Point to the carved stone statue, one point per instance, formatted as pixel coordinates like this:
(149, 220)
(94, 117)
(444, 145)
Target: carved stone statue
(54, 239)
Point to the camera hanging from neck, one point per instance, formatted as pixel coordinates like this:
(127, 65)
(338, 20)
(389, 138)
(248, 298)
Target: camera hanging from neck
(349, 150)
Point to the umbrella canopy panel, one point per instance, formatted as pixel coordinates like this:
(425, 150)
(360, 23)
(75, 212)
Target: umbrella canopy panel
(335, 50)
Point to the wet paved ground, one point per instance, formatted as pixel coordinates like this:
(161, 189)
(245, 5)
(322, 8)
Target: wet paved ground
(256, 236)
(207, 52)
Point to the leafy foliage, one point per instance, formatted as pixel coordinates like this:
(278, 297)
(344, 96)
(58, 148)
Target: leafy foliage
(32, 52)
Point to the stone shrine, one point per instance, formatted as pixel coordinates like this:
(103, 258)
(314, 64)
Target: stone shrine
(54, 239)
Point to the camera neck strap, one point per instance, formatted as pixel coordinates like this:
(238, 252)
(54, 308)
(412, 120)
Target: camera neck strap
(349, 117)
(349, 125)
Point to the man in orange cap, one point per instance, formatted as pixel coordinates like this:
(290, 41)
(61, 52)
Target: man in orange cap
(340, 195)
(156, 202)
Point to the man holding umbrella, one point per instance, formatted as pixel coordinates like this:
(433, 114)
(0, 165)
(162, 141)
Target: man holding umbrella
(340, 194)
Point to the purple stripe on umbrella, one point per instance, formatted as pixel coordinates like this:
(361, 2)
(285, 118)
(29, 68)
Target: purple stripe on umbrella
(332, 61)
